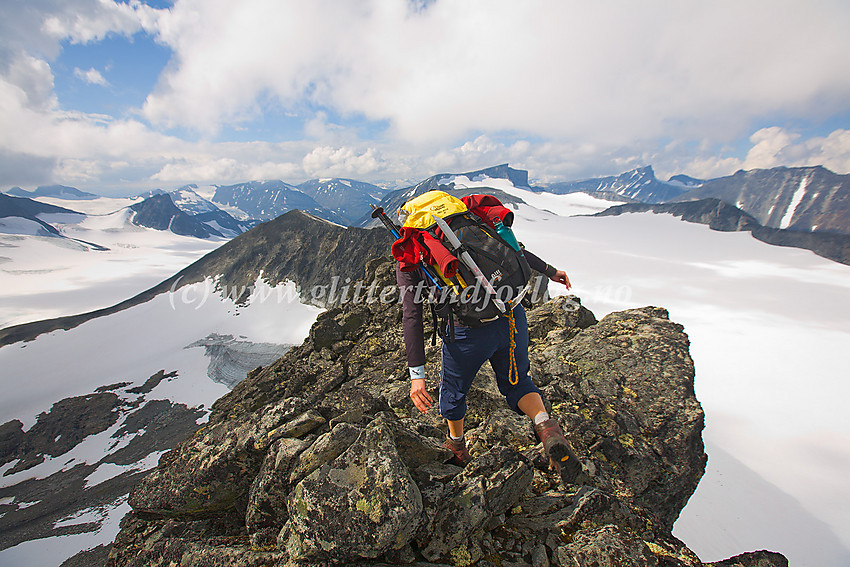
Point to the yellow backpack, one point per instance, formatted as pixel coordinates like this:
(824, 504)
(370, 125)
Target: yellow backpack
(418, 210)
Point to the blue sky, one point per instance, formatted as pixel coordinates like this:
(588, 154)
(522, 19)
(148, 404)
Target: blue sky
(118, 97)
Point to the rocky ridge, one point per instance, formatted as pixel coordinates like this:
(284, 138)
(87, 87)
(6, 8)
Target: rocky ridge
(320, 458)
(720, 215)
(132, 422)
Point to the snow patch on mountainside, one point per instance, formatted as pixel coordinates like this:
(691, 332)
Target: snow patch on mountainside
(795, 202)
(55, 550)
(127, 349)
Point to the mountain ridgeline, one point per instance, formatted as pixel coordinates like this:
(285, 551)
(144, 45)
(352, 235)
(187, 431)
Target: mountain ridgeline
(811, 199)
(295, 246)
(638, 185)
(798, 199)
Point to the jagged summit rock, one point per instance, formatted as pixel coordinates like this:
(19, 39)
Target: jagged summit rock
(320, 458)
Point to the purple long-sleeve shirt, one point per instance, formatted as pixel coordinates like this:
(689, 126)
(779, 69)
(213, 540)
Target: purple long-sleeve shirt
(411, 317)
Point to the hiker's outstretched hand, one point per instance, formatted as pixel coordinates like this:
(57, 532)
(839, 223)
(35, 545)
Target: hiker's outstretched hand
(420, 396)
(561, 277)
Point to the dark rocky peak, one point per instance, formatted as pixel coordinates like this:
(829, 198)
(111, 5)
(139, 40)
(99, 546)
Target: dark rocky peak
(686, 181)
(160, 213)
(518, 177)
(320, 458)
(320, 256)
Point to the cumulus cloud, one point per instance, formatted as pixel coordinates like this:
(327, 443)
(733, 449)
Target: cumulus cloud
(92, 77)
(329, 161)
(574, 70)
(777, 146)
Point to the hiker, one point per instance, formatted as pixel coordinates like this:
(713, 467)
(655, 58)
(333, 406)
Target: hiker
(463, 355)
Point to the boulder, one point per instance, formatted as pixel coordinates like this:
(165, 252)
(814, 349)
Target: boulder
(364, 503)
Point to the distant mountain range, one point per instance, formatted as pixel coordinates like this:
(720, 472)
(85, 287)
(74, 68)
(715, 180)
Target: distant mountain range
(638, 185)
(345, 198)
(803, 199)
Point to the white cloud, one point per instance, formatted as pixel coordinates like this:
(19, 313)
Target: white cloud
(564, 70)
(776, 146)
(329, 161)
(31, 81)
(81, 21)
(92, 77)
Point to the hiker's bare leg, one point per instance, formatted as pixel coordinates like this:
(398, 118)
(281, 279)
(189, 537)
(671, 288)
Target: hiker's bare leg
(531, 404)
(455, 428)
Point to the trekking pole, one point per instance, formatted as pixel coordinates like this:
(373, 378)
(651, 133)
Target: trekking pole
(378, 213)
(395, 230)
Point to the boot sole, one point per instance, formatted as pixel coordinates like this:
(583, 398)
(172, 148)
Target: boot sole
(565, 461)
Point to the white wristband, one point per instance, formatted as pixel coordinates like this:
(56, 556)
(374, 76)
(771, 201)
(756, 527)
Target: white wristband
(417, 372)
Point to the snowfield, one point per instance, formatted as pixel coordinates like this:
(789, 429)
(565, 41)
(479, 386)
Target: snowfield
(45, 277)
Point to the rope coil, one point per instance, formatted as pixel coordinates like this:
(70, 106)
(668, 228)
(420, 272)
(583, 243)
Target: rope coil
(513, 373)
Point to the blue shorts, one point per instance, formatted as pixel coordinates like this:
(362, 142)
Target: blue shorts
(463, 357)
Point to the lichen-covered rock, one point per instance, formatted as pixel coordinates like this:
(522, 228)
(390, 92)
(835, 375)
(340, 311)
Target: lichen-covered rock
(624, 392)
(213, 470)
(362, 504)
(488, 487)
(326, 448)
(607, 546)
(266, 511)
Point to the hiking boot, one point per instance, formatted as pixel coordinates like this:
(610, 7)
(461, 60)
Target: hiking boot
(461, 455)
(558, 449)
